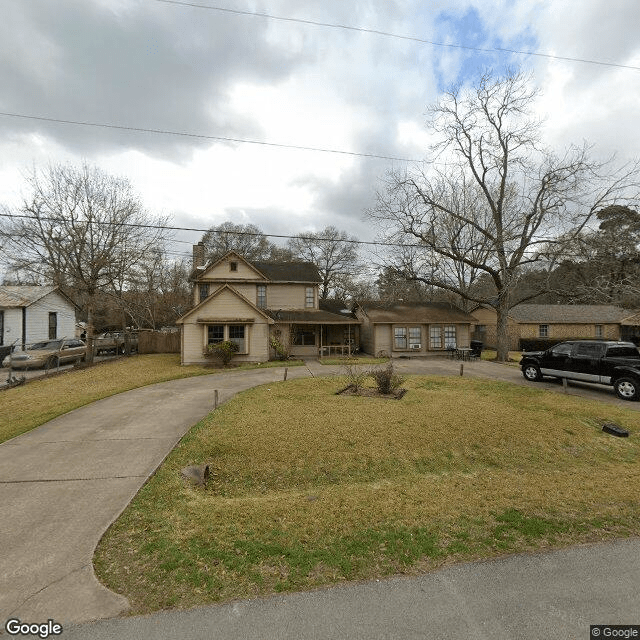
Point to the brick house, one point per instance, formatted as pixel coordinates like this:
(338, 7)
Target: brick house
(558, 321)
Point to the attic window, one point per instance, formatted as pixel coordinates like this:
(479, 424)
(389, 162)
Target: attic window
(233, 266)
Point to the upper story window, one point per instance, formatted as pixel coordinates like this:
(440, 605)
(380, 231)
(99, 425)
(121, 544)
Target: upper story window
(203, 291)
(233, 266)
(261, 296)
(543, 330)
(309, 298)
(599, 331)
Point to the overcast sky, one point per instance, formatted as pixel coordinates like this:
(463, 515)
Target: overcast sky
(156, 65)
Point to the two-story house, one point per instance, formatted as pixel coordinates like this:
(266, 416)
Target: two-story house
(250, 303)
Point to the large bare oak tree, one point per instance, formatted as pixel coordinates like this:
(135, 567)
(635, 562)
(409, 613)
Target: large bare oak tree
(491, 200)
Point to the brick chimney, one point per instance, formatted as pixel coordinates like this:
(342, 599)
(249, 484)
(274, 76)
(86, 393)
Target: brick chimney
(198, 255)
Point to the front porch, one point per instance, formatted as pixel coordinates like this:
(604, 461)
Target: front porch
(318, 339)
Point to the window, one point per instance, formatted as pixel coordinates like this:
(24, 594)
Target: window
(589, 349)
(562, 349)
(1, 328)
(450, 337)
(215, 333)
(543, 330)
(435, 337)
(309, 298)
(53, 325)
(261, 296)
(203, 290)
(305, 338)
(599, 331)
(233, 266)
(236, 334)
(415, 335)
(400, 338)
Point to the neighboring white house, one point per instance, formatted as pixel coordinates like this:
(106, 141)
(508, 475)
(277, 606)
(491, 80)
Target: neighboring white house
(33, 314)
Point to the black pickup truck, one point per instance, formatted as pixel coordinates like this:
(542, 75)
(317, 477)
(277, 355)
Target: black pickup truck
(613, 363)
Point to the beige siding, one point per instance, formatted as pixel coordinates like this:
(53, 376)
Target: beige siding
(289, 296)
(222, 271)
(225, 307)
(382, 340)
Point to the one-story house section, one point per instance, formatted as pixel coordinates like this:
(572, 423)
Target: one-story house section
(559, 322)
(402, 329)
(31, 314)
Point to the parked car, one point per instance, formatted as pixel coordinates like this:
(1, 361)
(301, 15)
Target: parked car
(48, 354)
(115, 342)
(605, 362)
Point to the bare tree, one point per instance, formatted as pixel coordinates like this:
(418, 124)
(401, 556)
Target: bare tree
(83, 230)
(496, 202)
(247, 240)
(332, 251)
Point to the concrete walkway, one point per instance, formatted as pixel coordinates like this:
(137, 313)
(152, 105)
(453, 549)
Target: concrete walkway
(64, 483)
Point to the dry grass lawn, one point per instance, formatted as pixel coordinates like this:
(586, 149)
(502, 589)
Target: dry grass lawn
(311, 488)
(26, 407)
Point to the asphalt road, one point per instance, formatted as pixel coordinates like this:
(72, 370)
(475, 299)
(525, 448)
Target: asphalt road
(543, 596)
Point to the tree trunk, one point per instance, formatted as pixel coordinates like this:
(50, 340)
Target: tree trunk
(90, 340)
(502, 334)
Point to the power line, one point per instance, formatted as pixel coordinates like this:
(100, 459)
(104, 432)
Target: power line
(388, 34)
(239, 233)
(202, 136)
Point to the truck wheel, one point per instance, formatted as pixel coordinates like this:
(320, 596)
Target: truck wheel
(627, 388)
(532, 373)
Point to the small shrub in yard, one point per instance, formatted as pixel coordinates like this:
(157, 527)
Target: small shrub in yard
(354, 373)
(282, 352)
(224, 351)
(386, 380)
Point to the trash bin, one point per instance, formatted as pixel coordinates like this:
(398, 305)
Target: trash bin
(476, 348)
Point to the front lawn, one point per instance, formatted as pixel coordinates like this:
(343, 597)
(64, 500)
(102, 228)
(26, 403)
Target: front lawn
(310, 488)
(25, 407)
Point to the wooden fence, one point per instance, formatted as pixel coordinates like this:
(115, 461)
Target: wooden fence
(158, 342)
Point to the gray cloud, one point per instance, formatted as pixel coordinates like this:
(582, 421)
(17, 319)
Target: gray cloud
(151, 65)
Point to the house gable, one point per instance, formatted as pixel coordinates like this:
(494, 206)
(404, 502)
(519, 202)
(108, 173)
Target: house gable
(231, 266)
(226, 304)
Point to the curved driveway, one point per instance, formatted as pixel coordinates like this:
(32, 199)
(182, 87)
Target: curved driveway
(62, 484)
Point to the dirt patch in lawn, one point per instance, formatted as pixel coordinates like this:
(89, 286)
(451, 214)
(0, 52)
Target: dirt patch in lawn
(369, 392)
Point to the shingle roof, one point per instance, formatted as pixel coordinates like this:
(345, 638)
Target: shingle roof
(289, 271)
(310, 316)
(419, 313)
(568, 313)
(22, 296)
(338, 307)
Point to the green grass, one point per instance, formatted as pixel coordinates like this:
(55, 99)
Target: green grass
(492, 354)
(25, 407)
(311, 488)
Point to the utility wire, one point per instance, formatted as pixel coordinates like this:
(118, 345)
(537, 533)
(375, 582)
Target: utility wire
(239, 233)
(201, 136)
(388, 34)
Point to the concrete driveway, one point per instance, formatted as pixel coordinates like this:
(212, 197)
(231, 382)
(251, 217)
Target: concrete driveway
(62, 484)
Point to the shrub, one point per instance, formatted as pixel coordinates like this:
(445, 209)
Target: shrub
(354, 373)
(223, 350)
(386, 380)
(282, 351)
